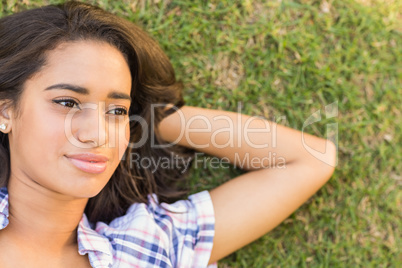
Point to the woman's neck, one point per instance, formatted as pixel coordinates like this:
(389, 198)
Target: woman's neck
(41, 218)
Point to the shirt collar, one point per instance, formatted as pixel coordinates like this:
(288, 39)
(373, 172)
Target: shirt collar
(90, 241)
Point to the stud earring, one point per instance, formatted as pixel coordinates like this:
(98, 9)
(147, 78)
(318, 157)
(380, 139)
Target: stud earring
(3, 126)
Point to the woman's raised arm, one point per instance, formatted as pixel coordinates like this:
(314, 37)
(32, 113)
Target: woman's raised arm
(282, 173)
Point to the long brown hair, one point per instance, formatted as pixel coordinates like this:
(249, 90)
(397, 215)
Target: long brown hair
(25, 38)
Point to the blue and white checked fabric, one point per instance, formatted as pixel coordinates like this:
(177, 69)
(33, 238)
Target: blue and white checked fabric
(148, 235)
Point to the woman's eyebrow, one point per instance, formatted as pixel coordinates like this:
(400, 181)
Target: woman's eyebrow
(85, 91)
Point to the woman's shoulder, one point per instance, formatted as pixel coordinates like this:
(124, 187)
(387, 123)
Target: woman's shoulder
(3, 207)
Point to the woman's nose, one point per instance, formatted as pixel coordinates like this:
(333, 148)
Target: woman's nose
(92, 125)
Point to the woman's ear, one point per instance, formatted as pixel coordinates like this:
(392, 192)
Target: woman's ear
(5, 116)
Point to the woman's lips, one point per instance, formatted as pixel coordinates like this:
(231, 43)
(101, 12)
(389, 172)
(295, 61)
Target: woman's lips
(90, 163)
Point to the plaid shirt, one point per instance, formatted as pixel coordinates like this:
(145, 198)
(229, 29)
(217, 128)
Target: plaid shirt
(148, 235)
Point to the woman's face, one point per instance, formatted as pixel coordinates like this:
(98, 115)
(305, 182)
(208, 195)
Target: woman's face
(76, 104)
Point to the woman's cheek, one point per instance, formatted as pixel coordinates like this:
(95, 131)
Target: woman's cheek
(53, 136)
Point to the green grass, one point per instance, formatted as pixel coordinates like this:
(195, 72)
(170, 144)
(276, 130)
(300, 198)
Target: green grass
(292, 58)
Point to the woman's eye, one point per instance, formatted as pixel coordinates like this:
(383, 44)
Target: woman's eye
(68, 103)
(119, 111)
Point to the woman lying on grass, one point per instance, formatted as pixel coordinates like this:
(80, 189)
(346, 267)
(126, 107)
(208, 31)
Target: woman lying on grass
(82, 92)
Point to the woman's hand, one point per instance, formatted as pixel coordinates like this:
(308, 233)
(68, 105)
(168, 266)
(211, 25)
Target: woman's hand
(283, 174)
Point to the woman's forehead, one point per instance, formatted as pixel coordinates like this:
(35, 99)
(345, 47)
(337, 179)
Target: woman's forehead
(86, 64)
